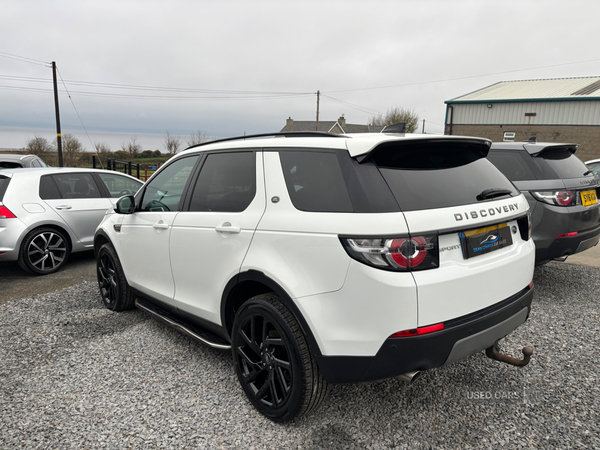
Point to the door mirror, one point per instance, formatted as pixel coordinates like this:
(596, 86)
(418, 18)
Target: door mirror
(125, 205)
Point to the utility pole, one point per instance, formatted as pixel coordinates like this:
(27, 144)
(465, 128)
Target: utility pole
(423, 126)
(318, 95)
(58, 139)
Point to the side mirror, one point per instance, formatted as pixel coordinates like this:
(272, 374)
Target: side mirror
(125, 205)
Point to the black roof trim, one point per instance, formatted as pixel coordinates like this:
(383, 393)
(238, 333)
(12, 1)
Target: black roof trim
(283, 134)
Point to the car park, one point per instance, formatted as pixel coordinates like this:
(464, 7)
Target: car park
(48, 213)
(562, 194)
(11, 161)
(318, 258)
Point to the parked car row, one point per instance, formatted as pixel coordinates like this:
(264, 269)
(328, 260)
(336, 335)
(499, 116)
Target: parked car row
(318, 258)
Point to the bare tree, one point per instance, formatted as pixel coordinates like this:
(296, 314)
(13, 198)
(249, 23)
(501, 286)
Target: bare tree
(172, 143)
(132, 148)
(197, 137)
(71, 149)
(396, 115)
(102, 149)
(38, 146)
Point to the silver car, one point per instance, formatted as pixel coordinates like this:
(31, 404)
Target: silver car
(11, 161)
(48, 213)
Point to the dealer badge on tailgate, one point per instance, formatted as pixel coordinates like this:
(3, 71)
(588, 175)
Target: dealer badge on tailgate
(485, 240)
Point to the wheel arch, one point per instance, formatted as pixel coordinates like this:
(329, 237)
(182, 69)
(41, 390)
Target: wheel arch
(100, 238)
(246, 285)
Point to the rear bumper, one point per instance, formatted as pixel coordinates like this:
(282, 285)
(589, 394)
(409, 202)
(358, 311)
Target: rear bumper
(569, 245)
(460, 338)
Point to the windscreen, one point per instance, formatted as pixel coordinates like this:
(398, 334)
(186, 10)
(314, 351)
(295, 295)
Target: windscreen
(560, 163)
(438, 174)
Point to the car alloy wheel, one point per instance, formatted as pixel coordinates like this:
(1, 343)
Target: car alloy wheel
(272, 360)
(44, 251)
(114, 289)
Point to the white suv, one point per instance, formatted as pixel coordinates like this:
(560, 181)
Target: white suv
(319, 258)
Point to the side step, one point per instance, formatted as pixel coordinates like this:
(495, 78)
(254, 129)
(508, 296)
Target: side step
(203, 336)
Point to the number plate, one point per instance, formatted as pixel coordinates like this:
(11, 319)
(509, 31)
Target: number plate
(588, 198)
(485, 240)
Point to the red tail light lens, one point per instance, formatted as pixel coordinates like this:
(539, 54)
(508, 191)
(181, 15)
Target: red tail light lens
(399, 254)
(559, 198)
(419, 331)
(6, 214)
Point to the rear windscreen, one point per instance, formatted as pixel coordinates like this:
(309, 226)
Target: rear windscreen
(560, 163)
(3, 185)
(438, 174)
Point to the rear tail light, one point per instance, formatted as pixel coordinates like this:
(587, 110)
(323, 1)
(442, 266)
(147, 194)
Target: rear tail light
(559, 198)
(398, 254)
(6, 214)
(419, 331)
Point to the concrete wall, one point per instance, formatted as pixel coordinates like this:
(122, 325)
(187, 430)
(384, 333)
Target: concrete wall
(588, 137)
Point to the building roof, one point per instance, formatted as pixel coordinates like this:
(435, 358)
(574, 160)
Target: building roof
(336, 126)
(553, 89)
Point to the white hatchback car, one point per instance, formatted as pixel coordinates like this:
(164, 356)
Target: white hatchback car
(320, 258)
(48, 213)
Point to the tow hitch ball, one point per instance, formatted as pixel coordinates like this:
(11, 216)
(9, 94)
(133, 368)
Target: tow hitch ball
(493, 353)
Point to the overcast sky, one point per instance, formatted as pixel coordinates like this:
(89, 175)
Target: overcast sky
(234, 67)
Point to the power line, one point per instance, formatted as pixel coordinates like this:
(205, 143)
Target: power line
(24, 59)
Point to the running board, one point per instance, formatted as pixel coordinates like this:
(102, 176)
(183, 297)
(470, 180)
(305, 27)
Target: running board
(200, 335)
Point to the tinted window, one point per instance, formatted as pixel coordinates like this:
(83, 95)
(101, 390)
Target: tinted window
(512, 165)
(164, 191)
(119, 185)
(75, 185)
(10, 165)
(48, 188)
(438, 174)
(3, 185)
(560, 163)
(35, 163)
(227, 183)
(314, 181)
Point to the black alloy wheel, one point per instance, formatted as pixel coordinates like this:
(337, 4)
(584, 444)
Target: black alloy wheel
(273, 362)
(114, 290)
(44, 251)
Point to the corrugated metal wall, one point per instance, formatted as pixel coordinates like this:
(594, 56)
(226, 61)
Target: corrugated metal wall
(546, 113)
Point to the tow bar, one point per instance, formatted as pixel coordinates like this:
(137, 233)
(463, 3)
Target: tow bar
(493, 353)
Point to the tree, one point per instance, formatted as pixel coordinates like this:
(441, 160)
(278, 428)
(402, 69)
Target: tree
(197, 137)
(396, 115)
(38, 146)
(71, 149)
(172, 143)
(131, 148)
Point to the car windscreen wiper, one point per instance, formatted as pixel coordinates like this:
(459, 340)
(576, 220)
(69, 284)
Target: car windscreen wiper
(493, 193)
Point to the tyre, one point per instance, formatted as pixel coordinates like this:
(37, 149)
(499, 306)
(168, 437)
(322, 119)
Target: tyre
(272, 360)
(44, 251)
(114, 290)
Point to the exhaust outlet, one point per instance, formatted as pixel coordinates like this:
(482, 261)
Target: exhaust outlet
(410, 377)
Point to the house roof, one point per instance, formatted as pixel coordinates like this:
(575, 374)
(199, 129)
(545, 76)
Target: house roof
(324, 125)
(582, 88)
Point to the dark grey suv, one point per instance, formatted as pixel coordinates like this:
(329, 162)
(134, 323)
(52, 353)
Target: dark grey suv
(561, 191)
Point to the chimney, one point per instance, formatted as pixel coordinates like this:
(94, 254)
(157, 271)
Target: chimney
(342, 121)
(289, 124)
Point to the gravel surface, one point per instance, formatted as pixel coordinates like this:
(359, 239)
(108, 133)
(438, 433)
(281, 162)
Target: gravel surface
(75, 375)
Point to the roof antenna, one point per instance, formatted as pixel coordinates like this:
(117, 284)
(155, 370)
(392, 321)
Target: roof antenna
(399, 127)
(532, 140)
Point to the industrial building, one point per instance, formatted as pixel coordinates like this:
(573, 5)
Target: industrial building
(550, 110)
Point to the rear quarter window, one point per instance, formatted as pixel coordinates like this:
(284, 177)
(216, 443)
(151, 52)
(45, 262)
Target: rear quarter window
(512, 164)
(4, 180)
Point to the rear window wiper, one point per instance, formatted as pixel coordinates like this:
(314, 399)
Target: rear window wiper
(493, 193)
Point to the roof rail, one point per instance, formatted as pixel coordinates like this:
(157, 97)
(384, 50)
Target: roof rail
(283, 134)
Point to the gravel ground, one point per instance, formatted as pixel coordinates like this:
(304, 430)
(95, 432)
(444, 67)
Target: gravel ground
(75, 375)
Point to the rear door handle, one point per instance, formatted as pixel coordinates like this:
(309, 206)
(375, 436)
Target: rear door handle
(227, 228)
(61, 207)
(160, 225)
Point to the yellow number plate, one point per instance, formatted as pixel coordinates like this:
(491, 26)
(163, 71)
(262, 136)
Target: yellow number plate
(589, 198)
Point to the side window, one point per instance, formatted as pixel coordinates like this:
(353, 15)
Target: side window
(164, 192)
(119, 185)
(227, 183)
(48, 188)
(35, 163)
(77, 185)
(315, 182)
(512, 165)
